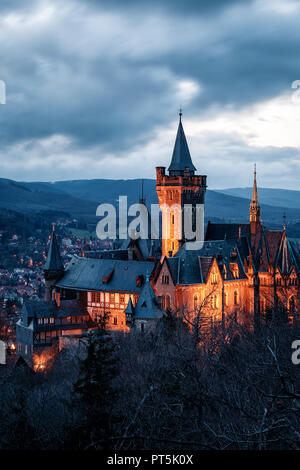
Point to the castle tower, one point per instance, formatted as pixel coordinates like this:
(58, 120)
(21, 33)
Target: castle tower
(175, 190)
(53, 267)
(255, 222)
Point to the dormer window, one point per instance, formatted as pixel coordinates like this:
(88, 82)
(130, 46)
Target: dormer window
(234, 270)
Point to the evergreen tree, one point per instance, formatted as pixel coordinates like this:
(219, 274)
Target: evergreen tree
(95, 391)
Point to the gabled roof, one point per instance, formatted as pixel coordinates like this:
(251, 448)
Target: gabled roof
(92, 274)
(53, 261)
(295, 250)
(181, 158)
(147, 306)
(265, 248)
(287, 255)
(194, 265)
(172, 266)
(205, 264)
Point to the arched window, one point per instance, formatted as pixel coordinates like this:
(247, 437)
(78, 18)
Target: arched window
(236, 298)
(214, 301)
(226, 299)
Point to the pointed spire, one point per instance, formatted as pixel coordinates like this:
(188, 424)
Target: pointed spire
(181, 158)
(254, 192)
(284, 221)
(254, 206)
(53, 262)
(130, 308)
(147, 306)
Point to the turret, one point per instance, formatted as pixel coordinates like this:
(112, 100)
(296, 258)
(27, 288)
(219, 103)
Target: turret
(175, 190)
(53, 267)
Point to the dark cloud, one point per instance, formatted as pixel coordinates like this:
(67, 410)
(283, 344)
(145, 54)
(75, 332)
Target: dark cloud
(186, 7)
(110, 85)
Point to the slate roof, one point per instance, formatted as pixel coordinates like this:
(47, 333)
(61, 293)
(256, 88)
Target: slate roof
(173, 268)
(226, 231)
(53, 261)
(292, 247)
(147, 306)
(181, 157)
(109, 254)
(89, 274)
(129, 309)
(294, 243)
(193, 265)
(266, 245)
(50, 309)
(265, 248)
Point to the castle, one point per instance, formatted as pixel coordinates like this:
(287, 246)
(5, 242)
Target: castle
(242, 270)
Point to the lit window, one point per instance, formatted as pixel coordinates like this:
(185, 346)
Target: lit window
(115, 320)
(51, 320)
(96, 297)
(166, 301)
(236, 298)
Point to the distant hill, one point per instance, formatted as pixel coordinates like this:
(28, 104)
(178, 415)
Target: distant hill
(21, 198)
(80, 198)
(271, 196)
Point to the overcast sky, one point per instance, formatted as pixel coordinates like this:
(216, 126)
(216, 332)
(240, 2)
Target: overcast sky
(94, 88)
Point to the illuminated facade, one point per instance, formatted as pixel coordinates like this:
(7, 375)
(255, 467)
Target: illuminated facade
(242, 271)
(176, 190)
